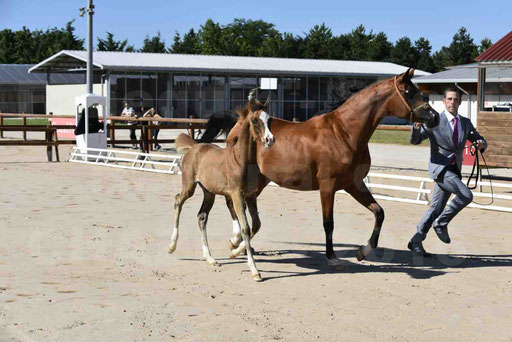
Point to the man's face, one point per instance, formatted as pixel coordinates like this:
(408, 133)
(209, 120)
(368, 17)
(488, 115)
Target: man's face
(452, 102)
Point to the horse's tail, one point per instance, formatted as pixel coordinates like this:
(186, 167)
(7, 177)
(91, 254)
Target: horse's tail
(184, 143)
(218, 125)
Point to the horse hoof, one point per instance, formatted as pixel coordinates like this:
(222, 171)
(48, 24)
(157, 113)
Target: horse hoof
(213, 263)
(171, 249)
(257, 277)
(232, 255)
(338, 264)
(231, 246)
(360, 254)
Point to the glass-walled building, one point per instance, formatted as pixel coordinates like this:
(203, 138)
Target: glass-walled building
(183, 86)
(182, 95)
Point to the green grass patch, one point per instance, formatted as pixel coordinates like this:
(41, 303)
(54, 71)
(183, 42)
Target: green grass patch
(393, 137)
(30, 121)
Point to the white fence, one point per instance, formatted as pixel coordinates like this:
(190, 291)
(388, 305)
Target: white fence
(161, 163)
(165, 163)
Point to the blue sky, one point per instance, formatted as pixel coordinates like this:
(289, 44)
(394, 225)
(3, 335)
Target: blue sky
(435, 20)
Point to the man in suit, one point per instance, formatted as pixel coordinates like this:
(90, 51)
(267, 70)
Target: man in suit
(447, 141)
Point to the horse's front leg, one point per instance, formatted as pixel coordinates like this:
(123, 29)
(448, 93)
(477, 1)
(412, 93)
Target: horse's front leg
(361, 194)
(256, 224)
(327, 192)
(239, 205)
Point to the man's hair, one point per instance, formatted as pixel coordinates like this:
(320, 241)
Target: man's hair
(454, 89)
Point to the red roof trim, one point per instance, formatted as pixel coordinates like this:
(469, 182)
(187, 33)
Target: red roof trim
(499, 51)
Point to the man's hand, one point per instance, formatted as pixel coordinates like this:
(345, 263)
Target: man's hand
(417, 125)
(480, 145)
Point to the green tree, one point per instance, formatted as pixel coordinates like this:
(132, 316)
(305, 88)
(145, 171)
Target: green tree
(379, 48)
(24, 47)
(245, 37)
(317, 43)
(290, 46)
(423, 49)
(7, 46)
(210, 38)
(403, 53)
(110, 44)
(358, 44)
(154, 44)
(484, 45)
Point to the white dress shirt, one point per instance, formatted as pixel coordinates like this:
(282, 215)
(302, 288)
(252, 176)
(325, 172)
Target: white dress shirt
(450, 117)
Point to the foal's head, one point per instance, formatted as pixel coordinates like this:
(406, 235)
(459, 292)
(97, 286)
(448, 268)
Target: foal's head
(416, 108)
(259, 120)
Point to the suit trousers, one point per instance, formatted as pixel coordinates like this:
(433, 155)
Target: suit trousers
(448, 183)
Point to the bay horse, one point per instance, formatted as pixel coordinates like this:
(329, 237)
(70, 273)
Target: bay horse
(329, 152)
(223, 171)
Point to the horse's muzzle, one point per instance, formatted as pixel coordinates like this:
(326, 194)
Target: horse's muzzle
(268, 142)
(429, 116)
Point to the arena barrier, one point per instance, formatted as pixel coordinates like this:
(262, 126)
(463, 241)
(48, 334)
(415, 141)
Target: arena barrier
(171, 164)
(132, 160)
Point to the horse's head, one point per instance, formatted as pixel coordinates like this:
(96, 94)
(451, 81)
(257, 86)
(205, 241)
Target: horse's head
(411, 103)
(259, 120)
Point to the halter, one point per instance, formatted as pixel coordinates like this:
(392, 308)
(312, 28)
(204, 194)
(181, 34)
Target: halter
(414, 110)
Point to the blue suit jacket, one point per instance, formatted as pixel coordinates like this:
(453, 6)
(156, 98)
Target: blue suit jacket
(442, 148)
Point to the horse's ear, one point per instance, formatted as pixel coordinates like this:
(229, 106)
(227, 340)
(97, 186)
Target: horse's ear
(407, 76)
(253, 102)
(265, 105)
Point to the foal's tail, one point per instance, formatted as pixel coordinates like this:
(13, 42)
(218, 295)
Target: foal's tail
(184, 143)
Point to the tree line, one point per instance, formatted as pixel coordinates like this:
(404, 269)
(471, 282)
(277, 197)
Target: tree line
(245, 37)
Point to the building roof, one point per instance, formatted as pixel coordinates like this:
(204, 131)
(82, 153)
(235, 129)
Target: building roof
(466, 74)
(139, 61)
(501, 51)
(18, 74)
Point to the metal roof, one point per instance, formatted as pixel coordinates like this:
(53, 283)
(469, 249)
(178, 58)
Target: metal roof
(139, 61)
(18, 74)
(466, 74)
(501, 51)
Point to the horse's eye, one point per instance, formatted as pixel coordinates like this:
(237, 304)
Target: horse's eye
(254, 121)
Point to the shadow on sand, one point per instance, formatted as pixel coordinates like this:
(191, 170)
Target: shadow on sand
(383, 260)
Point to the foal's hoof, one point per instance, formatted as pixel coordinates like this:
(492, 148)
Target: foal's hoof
(257, 277)
(232, 254)
(171, 249)
(338, 264)
(360, 254)
(213, 262)
(231, 246)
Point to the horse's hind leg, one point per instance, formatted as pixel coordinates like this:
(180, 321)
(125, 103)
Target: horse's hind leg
(202, 218)
(327, 192)
(234, 242)
(186, 193)
(361, 194)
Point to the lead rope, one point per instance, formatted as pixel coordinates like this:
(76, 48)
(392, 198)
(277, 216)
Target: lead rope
(476, 165)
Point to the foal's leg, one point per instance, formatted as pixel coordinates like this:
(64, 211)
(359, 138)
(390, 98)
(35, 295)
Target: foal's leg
(327, 192)
(186, 192)
(202, 218)
(239, 204)
(256, 224)
(362, 195)
(234, 242)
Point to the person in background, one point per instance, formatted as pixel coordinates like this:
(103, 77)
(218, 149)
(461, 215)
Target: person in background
(130, 112)
(152, 114)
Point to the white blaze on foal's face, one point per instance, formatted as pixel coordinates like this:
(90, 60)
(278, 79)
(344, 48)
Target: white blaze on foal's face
(268, 138)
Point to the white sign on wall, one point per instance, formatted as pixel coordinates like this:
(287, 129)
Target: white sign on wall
(268, 83)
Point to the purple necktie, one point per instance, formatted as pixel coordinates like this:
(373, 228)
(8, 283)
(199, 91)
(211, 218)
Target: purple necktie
(455, 135)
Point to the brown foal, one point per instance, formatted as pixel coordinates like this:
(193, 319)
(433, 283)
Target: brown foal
(329, 152)
(224, 172)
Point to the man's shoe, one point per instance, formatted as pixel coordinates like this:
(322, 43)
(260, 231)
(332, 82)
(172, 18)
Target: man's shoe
(417, 249)
(442, 233)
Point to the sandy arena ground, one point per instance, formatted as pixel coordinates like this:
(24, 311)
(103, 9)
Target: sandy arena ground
(83, 257)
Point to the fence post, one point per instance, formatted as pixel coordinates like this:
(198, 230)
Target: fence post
(1, 124)
(24, 123)
(112, 133)
(49, 152)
